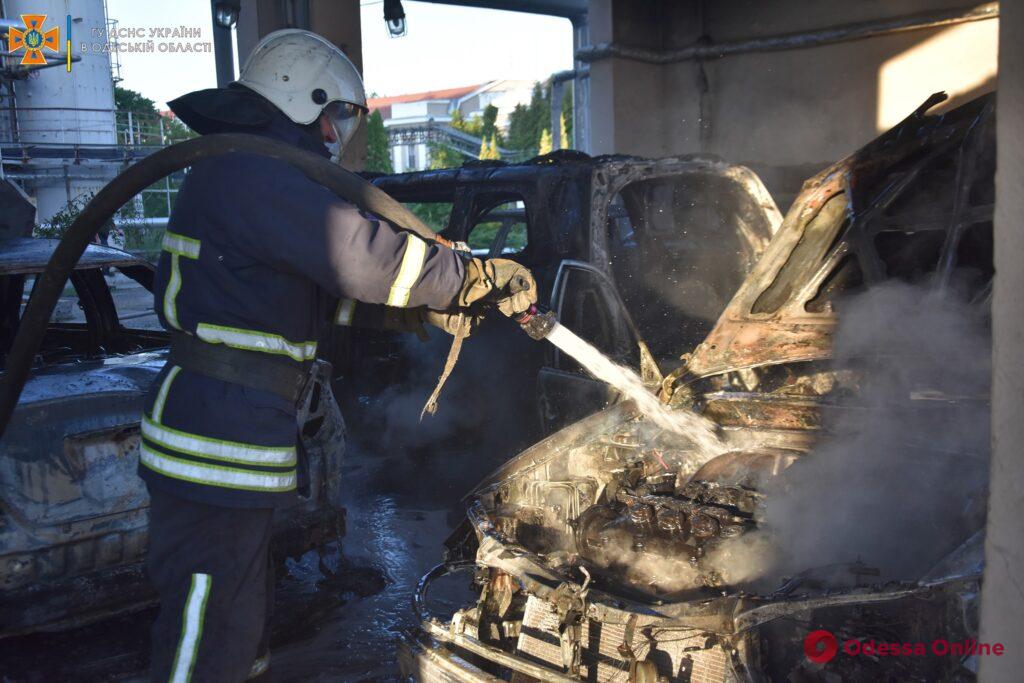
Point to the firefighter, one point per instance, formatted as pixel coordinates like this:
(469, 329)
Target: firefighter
(256, 258)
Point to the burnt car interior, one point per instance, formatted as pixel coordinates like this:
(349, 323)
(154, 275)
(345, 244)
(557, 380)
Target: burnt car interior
(99, 332)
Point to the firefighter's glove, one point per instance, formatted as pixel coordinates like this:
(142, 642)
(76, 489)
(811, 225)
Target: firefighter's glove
(405, 320)
(505, 283)
(460, 323)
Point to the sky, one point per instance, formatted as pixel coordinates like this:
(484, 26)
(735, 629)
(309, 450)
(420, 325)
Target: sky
(445, 47)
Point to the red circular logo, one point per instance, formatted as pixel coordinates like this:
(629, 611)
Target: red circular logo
(820, 646)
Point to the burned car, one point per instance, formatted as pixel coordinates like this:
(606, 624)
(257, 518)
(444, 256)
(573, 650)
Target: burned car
(600, 234)
(73, 511)
(841, 514)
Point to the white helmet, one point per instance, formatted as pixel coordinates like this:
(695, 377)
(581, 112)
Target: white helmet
(301, 73)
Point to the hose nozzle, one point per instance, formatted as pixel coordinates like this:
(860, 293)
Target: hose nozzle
(536, 324)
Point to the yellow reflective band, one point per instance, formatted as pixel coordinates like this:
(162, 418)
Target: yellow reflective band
(408, 272)
(346, 309)
(216, 449)
(250, 340)
(215, 475)
(171, 293)
(161, 396)
(191, 628)
(180, 245)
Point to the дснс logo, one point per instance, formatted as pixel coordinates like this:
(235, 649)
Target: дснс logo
(34, 39)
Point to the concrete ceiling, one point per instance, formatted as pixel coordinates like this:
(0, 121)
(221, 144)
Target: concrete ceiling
(570, 9)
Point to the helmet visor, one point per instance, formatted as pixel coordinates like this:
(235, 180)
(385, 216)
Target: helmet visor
(345, 118)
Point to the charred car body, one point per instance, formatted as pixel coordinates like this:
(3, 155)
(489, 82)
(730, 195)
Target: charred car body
(600, 234)
(73, 511)
(613, 550)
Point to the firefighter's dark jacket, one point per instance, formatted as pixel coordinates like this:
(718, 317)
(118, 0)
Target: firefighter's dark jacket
(255, 257)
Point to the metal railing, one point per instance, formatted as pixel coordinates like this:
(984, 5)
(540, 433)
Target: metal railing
(70, 125)
(86, 135)
(465, 144)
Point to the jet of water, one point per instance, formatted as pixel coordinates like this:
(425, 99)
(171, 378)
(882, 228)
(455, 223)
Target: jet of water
(697, 428)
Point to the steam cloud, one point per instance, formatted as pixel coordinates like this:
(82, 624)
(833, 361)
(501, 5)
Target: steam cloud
(901, 479)
(484, 386)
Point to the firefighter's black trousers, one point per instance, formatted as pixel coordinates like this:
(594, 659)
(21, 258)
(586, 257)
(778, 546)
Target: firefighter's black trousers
(210, 566)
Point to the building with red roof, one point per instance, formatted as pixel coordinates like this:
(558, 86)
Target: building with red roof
(410, 118)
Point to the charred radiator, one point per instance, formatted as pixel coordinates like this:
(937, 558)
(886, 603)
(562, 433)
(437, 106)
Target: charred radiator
(679, 655)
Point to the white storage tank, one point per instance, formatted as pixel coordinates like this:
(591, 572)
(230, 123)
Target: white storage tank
(60, 108)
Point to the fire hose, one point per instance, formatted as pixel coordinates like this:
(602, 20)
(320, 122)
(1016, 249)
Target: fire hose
(51, 282)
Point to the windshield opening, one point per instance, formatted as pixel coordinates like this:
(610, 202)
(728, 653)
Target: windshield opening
(678, 250)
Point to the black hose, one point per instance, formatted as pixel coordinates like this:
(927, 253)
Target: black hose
(137, 177)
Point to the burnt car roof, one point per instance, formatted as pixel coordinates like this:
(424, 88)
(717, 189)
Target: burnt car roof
(783, 311)
(25, 255)
(560, 161)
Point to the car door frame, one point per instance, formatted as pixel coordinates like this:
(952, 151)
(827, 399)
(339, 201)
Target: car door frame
(582, 388)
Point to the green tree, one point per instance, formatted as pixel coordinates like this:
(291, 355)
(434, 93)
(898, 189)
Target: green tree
(489, 149)
(149, 127)
(526, 123)
(176, 131)
(146, 120)
(434, 214)
(130, 100)
(489, 124)
(443, 156)
(545, 142)
(378, 151)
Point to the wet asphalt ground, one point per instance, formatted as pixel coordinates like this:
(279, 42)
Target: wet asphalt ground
(339, 612)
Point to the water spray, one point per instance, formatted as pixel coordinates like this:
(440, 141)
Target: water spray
(697, 428)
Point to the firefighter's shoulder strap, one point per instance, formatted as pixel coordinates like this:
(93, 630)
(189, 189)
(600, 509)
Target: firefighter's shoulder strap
(274, 374)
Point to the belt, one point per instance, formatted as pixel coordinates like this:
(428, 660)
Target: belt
(251, 369)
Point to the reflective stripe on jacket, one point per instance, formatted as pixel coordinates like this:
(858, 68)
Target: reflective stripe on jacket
(255, 257)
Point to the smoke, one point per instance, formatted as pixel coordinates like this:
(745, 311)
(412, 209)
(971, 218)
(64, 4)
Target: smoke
(486, 406)
(901, 478)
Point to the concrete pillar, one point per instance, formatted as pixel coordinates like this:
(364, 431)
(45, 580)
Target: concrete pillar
(785, 113)
(336, 20)
(256, 19)
(633, 106)
(1002, 597)
(580, 89)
